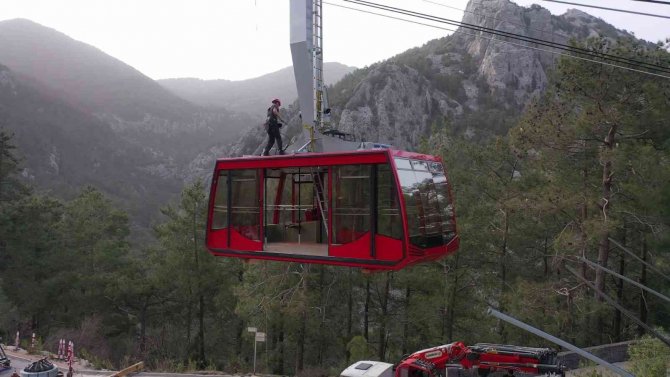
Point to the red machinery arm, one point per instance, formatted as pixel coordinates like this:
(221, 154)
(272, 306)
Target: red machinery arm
(483, 357)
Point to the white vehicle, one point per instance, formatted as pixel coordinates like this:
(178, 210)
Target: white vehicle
(368, 368)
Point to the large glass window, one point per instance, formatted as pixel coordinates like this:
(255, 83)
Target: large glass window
(429, 210)
(389, 221)
(444, 201)
(351, 202)
(296, 210)
(245, 203)
(220, 215)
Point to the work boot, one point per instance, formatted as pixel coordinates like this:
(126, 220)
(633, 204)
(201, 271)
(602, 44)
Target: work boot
(282, 152)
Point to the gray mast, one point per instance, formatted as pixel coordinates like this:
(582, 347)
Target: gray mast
(306, 38)
(307, 53)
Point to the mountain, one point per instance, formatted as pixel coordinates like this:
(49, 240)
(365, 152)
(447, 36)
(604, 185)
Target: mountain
(64, 149)
(83, 74)
(83, 117)
(248, 96)
(135, 106)
(469, 82)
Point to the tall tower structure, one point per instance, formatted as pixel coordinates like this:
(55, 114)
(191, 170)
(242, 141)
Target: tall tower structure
(307, 53)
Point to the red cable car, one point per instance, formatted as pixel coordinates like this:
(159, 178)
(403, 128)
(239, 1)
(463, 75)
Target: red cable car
(379, 209)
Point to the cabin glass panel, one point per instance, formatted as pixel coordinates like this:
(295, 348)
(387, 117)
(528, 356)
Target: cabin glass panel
(429, 212)
(245, 203)
(351, 202)
(220, 215)
(444, 201)
(389, 221)
(295, 208)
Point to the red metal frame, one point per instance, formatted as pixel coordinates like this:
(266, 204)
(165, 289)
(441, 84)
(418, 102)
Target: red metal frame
(391, 254)
(261, 209)
(330, 204)
(280, 190)
(401, 205)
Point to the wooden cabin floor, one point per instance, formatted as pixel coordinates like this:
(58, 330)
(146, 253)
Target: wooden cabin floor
(316, 249)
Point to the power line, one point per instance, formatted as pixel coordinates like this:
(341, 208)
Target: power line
(654, 1)
(632, 254)
(542, 42)
(620, 308)
(642, 286)
(612, 9)
(505, 42)
(494, 18)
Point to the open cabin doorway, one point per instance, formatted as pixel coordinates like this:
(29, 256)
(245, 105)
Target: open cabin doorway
(296, 210)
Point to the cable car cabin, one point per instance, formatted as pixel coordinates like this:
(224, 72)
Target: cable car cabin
(375, 209)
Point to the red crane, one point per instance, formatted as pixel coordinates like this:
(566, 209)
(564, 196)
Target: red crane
(458, 360)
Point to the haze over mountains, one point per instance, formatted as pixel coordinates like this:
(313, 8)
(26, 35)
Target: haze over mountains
(245, 96)
(83, 117)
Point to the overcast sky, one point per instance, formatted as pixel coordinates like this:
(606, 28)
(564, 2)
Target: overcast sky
(241, 39)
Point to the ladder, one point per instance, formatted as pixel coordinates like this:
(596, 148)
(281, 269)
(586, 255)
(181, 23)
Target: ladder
(320, 197)
(317, 63)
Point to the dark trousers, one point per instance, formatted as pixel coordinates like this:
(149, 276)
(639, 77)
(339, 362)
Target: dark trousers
(273, 133)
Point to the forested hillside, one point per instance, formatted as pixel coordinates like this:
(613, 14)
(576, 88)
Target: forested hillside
(576, 170)
(530, 204)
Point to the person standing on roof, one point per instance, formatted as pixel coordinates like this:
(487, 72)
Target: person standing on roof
(273, 127)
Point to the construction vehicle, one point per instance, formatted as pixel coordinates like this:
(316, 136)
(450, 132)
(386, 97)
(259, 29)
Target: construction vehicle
(458, 360)
(5, 363)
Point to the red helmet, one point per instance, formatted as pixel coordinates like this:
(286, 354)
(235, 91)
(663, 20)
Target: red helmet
(277, 101)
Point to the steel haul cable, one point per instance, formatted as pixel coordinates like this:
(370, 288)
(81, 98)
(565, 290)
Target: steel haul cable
(612, 9)
(505, 42)
(561, 46)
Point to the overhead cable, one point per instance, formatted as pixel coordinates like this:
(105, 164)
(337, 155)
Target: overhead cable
(642, 286)
(543, 31)
(651, 267)
(542, 42)
(620, 308)
(612, 9)
(502, 41)
(654, 1)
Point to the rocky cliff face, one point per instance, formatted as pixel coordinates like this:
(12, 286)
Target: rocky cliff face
(470, 82)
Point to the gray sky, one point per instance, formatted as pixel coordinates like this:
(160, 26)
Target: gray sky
(241, 39)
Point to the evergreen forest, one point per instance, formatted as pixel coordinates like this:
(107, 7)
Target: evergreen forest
(581, 179)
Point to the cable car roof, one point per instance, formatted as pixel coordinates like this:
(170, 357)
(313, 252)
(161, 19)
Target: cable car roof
(323, 158)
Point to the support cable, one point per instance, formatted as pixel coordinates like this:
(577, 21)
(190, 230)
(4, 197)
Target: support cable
(558, 341)
(502, 41)
(612, 9)
(542, 42)
(543, 31)
(642, 286)
(622, 247)
(654, 1)
(620, 308)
